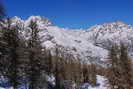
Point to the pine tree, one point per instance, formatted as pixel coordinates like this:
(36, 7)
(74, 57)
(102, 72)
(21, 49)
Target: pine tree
(35, 57)
(57, 70)
(11, 38)
(119, 72)
(85, 73)
(126, 67)
(48, 62)
(93, 73)
(89, 74)
(3, 50)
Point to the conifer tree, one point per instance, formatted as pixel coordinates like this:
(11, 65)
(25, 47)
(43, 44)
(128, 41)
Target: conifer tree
(11, 38)
(57, 70)
(93, 73)
(35, 57)
(120, 73)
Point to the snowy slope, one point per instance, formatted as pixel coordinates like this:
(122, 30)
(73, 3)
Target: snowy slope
(89, 45)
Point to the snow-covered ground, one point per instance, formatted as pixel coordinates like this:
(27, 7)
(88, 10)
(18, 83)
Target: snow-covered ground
(6, 88)
(2, 88)
(101, 81)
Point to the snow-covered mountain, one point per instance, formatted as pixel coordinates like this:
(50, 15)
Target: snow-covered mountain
(90, 45)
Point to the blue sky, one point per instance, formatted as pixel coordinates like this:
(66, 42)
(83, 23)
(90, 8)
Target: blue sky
(73, 13)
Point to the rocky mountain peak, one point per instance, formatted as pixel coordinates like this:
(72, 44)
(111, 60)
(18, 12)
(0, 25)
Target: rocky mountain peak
(89, 45)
